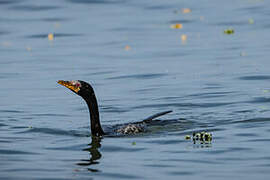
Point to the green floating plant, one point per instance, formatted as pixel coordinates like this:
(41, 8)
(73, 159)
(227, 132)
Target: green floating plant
(229, 31)
(187, 137)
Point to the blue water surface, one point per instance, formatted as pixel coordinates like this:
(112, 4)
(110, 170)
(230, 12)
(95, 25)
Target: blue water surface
(138, 65)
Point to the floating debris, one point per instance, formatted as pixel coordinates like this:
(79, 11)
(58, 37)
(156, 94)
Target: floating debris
(251, 21)
(228, 31)
(176, 26)
(133, 143)
(186, 10)
(28, 48)
(183, 38)
(176, 11)
(243, 54)
(201, 18)
(6, 44)
(127, 47)
(183, 11)
(50, 36)
(187, 137)
(57, 25)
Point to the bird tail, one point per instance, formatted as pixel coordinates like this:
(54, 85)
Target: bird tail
(150, 118)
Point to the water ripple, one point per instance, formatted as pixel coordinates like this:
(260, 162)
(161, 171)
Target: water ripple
(246, 134)
(166, 142)
(26, 20)
(4, 33)
(113, 109)
(182, 21)
(11, 111)
(228, 150)
(50, 115)
(120, 176)
(4, 2)
(191, 160)
(255, 77)
(56, 132)
(121, 149)
(140, 76)
(67, 148)
(260, 100)
(236, 23)
(181, 173)
(97, 1)
(54, 19)
(189, 105)
(211, 94)
(215, 90)
(158, 165)
(33, 8)
(254, 9)
(158, 7)
(253, 120)
(9, 75)
(259, 140)
(4, 151)
(41, 36)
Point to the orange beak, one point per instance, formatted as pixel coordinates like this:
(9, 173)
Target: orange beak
(69, 85)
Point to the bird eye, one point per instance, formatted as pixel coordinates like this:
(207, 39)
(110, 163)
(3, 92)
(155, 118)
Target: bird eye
(77, 85)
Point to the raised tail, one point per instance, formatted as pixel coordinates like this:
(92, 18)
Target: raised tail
(150, 118)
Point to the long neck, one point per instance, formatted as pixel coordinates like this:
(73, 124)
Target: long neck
(91, 101)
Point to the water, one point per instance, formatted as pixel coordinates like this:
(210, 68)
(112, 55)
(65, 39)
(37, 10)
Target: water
(217, 82)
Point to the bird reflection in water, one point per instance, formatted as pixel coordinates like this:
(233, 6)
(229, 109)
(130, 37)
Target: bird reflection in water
(94, 153)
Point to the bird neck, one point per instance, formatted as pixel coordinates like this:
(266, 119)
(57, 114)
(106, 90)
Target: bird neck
(91, 101)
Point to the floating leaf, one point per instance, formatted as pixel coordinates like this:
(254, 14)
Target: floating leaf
(50, 36)
(186, 10)
(177, 26)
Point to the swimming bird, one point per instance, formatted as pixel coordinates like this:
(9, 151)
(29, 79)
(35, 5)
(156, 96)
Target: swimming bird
(86, 91)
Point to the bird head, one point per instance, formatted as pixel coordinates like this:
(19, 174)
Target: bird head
(79, 87)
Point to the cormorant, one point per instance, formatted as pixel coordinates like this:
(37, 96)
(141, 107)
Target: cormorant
(86, 91)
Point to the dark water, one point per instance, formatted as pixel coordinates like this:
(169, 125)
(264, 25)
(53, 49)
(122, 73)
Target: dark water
(217, 82)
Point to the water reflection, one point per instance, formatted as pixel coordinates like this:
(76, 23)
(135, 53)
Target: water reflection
(94, 153)
(201, 145)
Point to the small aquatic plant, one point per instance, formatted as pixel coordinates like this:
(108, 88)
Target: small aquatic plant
(228, 31)
(202, 137)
